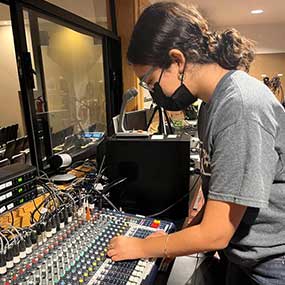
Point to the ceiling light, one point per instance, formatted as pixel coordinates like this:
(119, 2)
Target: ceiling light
(263, 75)
(280, 74)
(255, 12)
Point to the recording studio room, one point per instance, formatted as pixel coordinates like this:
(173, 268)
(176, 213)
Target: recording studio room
(142, 142)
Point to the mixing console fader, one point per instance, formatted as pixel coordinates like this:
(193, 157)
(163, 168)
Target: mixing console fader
(76, 254)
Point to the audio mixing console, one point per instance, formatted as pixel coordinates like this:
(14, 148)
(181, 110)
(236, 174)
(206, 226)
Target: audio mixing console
(76, 254)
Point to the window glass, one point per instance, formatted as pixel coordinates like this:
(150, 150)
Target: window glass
(13, 139)
(96, 11)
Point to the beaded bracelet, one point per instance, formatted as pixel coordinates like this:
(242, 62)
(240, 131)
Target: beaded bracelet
(165, 253)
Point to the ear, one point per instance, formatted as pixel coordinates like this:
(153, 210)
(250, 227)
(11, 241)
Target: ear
(178, 57)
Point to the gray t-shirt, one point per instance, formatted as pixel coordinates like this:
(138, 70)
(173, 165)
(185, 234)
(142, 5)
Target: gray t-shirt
(244, 150)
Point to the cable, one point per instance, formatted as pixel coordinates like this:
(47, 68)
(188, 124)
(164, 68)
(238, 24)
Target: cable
(52, 192)
(12, 216)
(18, 233)
(36, 208)
(102, 195)
(2, 246)
(174, 204)
(7, 241)
(102, 163)
(113, 184)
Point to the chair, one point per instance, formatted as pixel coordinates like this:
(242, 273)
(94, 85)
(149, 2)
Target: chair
(68, 131)
(15, 131)
(19, 144)
(12, 132)
(57, 138)
(4, 162)
(26, 142)
(10, 149)
(28, 157)
(3, 136)
(9, 131)
(69, 142)
(18, 158)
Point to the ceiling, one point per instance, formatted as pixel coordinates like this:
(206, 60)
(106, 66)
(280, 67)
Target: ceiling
(267, 29)
(225, 12)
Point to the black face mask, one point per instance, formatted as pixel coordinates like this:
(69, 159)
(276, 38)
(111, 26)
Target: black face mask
(180, 100)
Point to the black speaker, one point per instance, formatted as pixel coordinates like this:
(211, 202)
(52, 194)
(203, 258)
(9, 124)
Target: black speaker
(157, 172)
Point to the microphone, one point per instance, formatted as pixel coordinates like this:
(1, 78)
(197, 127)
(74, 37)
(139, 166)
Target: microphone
(60, 160)
(129, 95)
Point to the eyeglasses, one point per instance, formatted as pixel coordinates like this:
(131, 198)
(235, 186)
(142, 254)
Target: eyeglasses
(143, 83)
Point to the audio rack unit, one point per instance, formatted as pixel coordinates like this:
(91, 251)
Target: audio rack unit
(18, 200)
(17, 185)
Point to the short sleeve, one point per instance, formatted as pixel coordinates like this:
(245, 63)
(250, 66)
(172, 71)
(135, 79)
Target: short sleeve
(243, 165)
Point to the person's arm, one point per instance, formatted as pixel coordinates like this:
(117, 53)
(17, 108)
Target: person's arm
(198, 218)
(219, 223)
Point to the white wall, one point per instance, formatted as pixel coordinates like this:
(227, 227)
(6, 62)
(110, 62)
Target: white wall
(10, 111)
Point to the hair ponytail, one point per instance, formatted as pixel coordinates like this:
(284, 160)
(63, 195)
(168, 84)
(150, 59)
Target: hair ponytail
(231, 50)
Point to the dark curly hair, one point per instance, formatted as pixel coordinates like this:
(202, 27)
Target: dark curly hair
(167, 25)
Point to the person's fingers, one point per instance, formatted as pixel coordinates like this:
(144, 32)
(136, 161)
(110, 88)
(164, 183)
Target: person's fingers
(111, 252)
(117, 257)
(113, 240)
(156, 234)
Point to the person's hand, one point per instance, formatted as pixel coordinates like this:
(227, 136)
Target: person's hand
(122, 248)
(158, 233)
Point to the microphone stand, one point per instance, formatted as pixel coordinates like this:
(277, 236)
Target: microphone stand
(162, 114)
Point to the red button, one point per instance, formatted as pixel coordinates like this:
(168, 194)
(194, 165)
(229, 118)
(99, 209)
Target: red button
(154, 225)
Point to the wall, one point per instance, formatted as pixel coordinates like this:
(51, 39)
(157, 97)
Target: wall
(10, 111)
(127, 13)
(269, 64)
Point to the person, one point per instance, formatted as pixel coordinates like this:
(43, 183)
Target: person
(178, 59)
